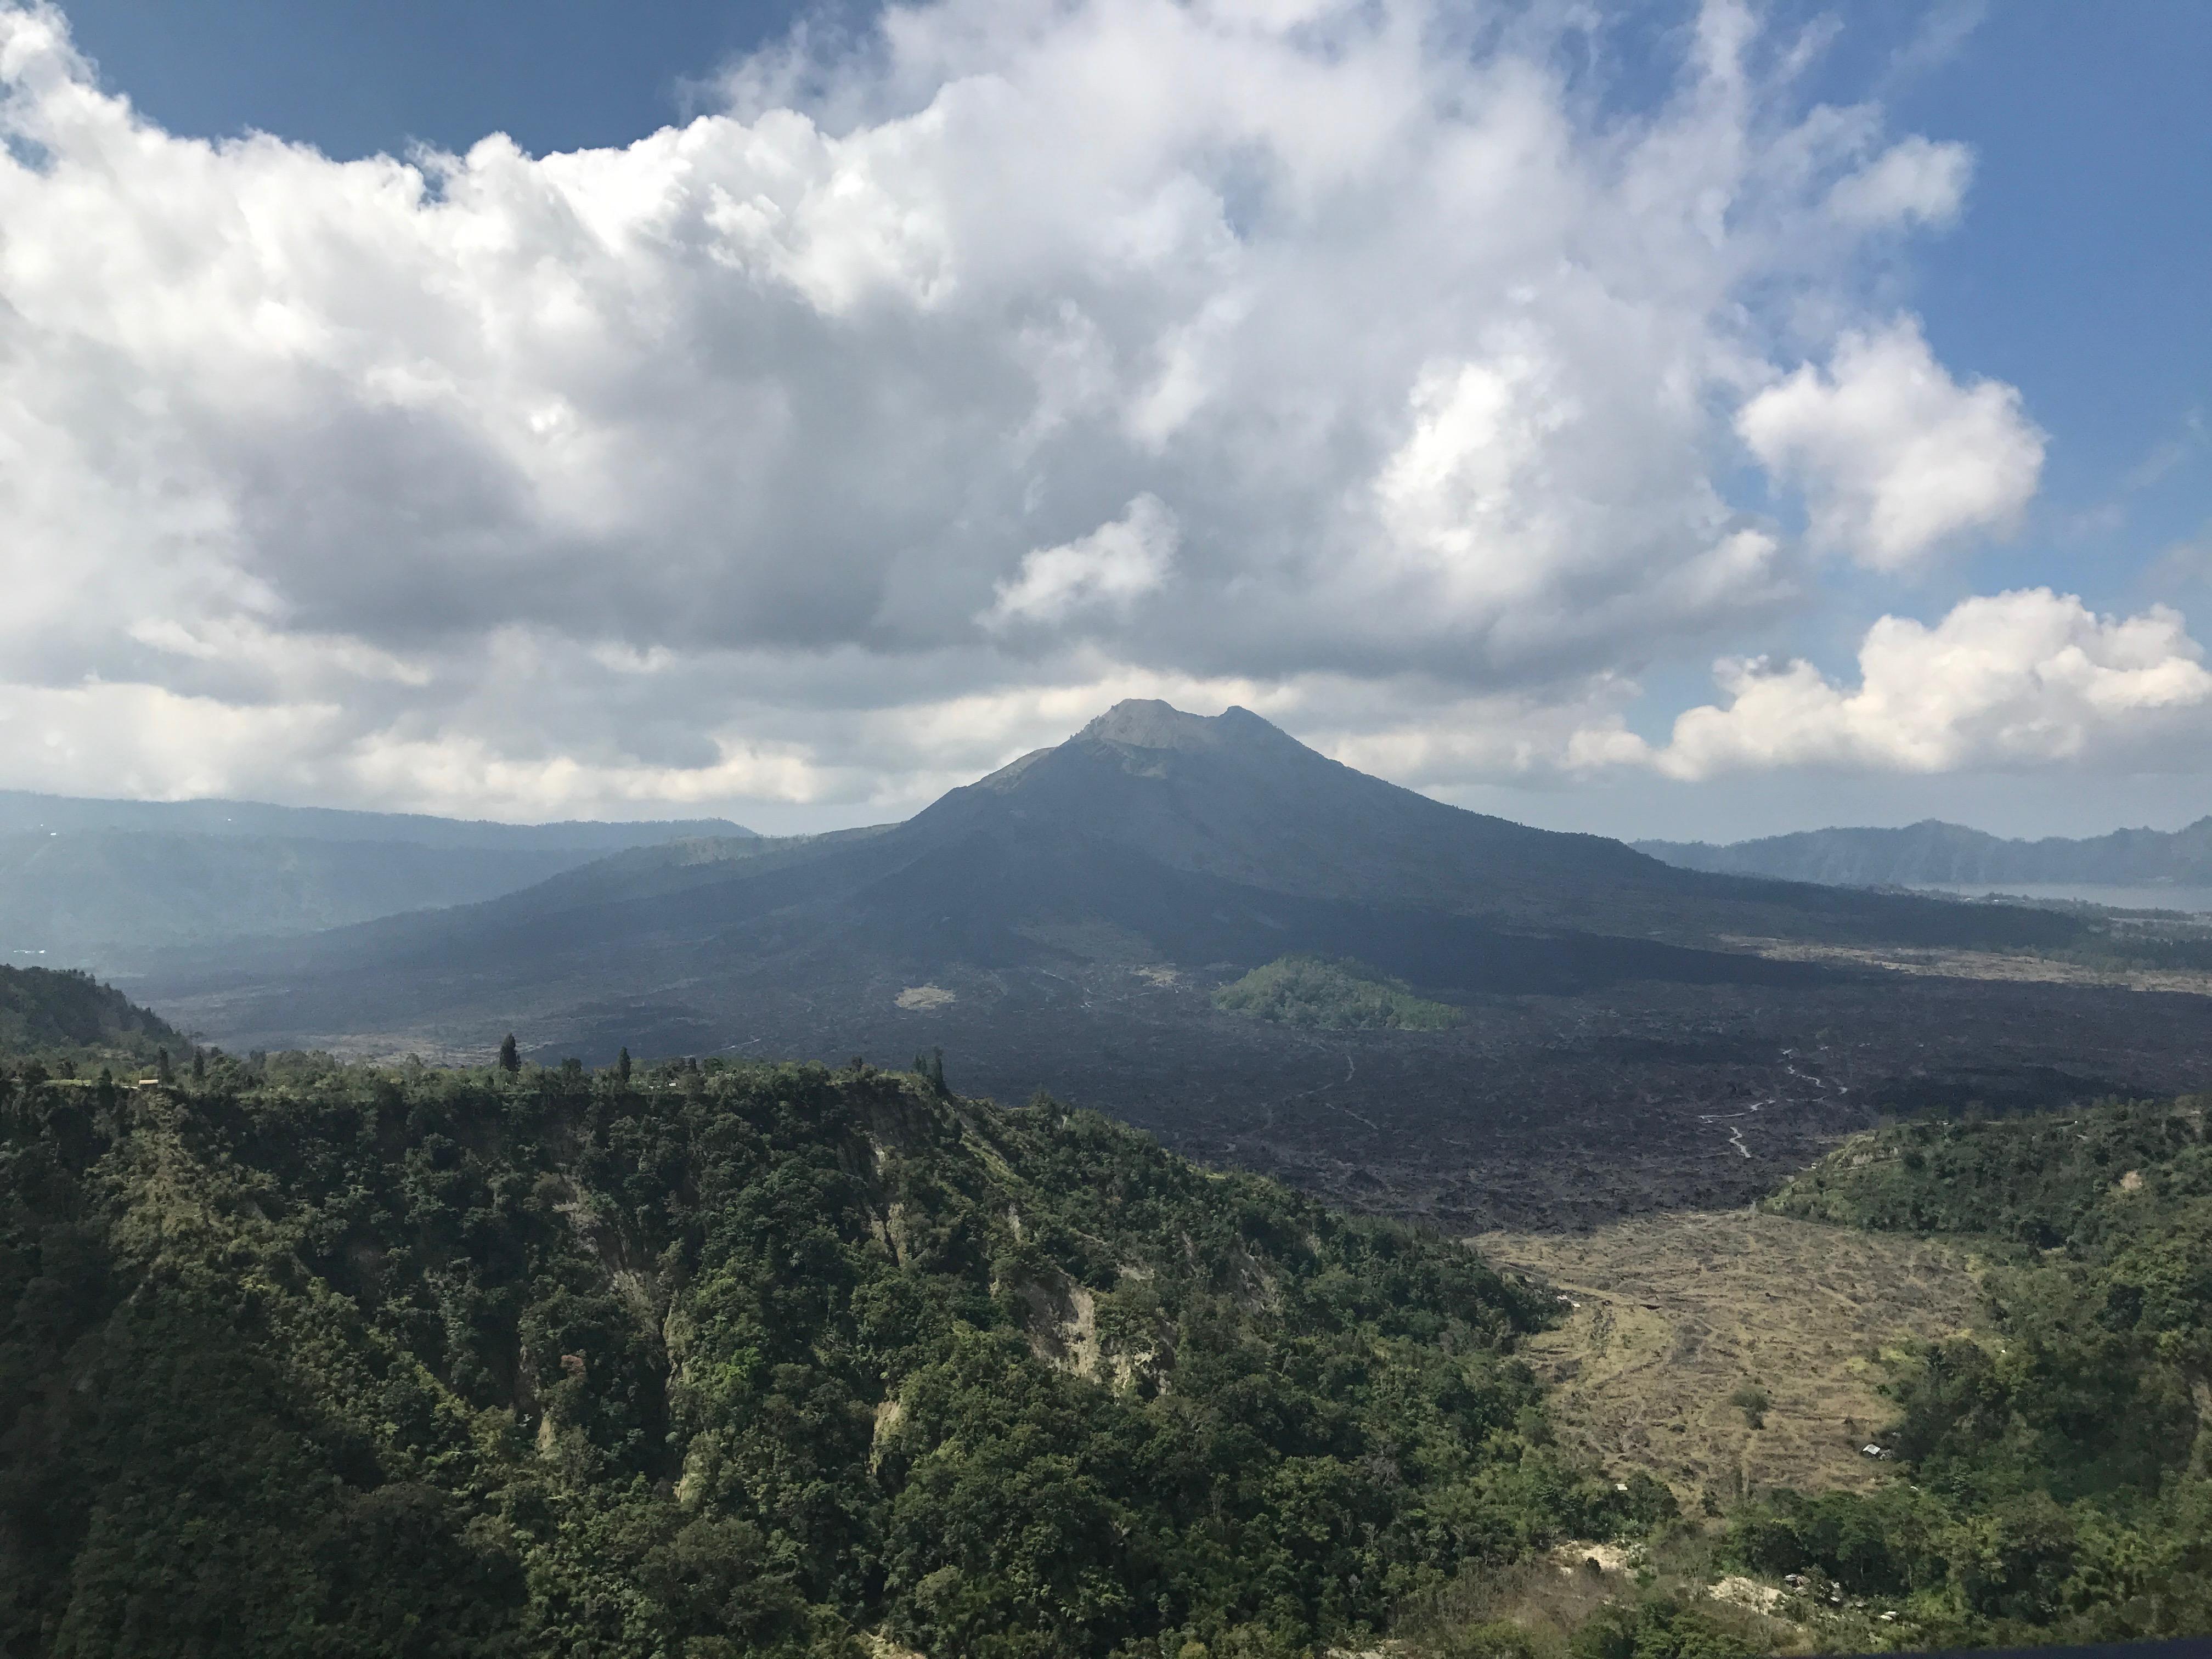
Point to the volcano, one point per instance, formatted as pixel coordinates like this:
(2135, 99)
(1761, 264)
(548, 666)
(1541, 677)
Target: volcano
(1152, 837)
(1064, 922)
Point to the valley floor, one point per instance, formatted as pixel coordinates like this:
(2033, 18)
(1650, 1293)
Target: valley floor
(1536, 1112)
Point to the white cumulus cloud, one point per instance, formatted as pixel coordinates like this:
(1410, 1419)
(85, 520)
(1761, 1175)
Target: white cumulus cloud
(1013, 353)
(1111, 568)
(1915, 181)
(2015, 679)
(1895, 457)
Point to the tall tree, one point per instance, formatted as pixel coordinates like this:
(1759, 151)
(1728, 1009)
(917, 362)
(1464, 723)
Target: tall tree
(930, 1065)
(510, 1058)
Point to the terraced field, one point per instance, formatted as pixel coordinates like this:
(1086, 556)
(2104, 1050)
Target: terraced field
(1676, 1313)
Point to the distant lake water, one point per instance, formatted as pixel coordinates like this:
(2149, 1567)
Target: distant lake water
(2197, 899)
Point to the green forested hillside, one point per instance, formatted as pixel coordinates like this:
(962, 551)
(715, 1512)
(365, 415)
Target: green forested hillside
(2059, 1469)
(61, 1017)
(317, 1360)
(2074, 1180)
(298, 1358)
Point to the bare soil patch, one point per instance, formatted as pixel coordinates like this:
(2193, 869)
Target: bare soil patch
(2017, 966)
(1676, 1313)
(925, 996)
(1551, 1596)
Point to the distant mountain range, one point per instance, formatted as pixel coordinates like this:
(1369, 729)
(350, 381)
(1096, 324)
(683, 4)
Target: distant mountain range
(22, 811)
(89, 883)
(1935, 853)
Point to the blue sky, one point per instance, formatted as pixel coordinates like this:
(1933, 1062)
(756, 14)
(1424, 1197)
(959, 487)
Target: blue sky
(2029, 289)
(2079, 271)
(354, 78)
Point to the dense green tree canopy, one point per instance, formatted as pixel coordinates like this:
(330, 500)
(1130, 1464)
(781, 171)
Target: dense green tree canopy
(307, 1358)
(2059, 1462)
(67, 1019)
(299, 1357)
(1323, 995)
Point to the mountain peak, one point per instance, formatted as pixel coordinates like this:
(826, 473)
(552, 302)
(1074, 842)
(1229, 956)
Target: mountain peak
(1148, 723)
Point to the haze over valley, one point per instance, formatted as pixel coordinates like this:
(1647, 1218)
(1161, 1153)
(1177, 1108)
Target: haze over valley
(101, 883)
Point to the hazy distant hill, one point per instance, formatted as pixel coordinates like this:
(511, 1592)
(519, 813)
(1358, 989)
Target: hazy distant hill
(1932, 853)
(20, 810)
(100, 882)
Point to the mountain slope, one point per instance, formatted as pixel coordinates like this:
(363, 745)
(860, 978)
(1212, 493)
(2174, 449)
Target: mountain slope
(721, 1361)
(1933, 853)
(69, 1016)
(1234, 797)
(1151, 836)
(1192, 838)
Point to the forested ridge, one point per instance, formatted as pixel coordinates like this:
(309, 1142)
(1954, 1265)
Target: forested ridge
(1322, 994)
(301, 1358)
(304, 1358)
(2058, 1463)
(63, 1018)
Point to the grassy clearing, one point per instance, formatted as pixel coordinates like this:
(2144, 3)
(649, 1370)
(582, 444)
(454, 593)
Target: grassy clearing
(1333, 996)
(1684, 1319)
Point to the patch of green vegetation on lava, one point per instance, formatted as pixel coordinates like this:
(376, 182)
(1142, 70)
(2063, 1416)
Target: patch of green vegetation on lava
(1320, 994)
